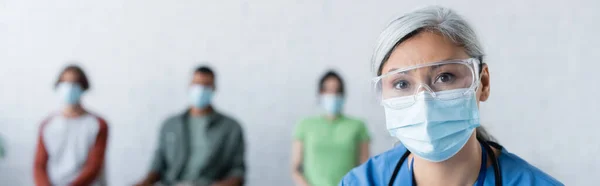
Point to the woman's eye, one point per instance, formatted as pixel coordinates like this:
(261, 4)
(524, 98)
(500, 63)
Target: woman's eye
(403, 84)
(444, 78)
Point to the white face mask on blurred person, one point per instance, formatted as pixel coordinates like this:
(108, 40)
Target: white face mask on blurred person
(200, 96)
(332, 103)
(69, 93)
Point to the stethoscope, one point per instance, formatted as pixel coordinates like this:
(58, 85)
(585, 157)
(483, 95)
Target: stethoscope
(486, 146)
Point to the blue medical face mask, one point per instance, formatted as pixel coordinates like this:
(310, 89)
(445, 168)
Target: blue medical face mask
(69, 93)
(434, 129)
(200, 96)
(332, 103)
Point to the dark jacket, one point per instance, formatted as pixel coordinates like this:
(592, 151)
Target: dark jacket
(226, 158)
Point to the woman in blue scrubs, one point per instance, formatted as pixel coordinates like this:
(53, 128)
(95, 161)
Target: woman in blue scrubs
(431, 77)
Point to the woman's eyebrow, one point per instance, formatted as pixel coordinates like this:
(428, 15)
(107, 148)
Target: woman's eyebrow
(390, 70)
(406, 72)
(434, 67)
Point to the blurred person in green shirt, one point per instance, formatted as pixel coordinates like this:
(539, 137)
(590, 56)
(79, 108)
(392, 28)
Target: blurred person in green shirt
(1, 148)
(329, 145)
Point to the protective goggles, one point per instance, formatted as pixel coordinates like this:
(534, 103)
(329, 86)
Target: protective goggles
(445, 80)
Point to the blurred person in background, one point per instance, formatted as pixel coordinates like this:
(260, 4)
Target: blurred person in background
(72, 142)
(327, 146)
(200, 146)
(431, 78)
(2, 151)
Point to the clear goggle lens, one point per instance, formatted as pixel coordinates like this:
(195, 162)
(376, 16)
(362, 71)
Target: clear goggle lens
(458, 77)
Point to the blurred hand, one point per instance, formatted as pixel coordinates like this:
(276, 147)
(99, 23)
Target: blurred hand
(142, 184)
(218, 184)
(302, 184)
(150, 179)
(224, 183)
(184, 184)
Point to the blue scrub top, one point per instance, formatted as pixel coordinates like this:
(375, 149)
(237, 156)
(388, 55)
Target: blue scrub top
(378, 171)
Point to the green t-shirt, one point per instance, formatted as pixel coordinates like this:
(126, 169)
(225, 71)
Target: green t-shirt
(331, 147)
(199, 149)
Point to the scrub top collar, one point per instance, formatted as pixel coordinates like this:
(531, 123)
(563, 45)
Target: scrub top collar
(480, 177)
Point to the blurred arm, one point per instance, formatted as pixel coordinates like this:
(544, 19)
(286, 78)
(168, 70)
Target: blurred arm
(363, 152)
(363, 144)
(235, 176)
(296, 163)
(158, 163)
(231, 181)
(150, 179)
(40, 175)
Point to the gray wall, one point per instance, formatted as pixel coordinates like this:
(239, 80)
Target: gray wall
(268, 55)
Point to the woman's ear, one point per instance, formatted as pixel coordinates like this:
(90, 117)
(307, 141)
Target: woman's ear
(484, 85)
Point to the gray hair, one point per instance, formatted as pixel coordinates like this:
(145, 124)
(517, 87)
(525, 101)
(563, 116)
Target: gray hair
(435, 19)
